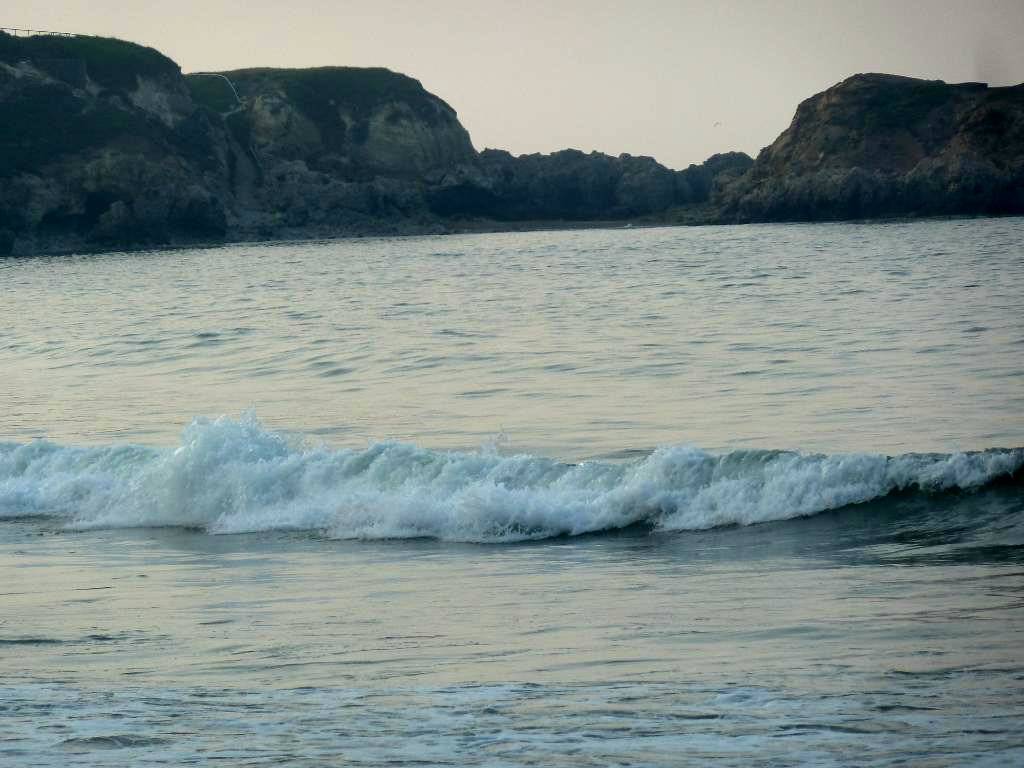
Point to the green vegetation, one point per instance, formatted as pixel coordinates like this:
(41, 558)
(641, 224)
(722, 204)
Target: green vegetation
(355, 88)
(43, 121)
(35, 127)
(112, 63)
(900, 104)
(320, 93)
(212, 92)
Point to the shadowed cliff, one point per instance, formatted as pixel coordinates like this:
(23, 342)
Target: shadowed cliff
(100, 144)
(881, 145)
(104, 144)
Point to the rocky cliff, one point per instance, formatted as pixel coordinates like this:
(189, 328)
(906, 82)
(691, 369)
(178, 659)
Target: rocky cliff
(881, 145)
(355, 124)
(104, 143)
(333, 150)
(574, 186)
(370, 148)
(100, 144)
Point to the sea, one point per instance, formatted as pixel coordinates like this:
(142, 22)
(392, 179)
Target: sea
(737, 496)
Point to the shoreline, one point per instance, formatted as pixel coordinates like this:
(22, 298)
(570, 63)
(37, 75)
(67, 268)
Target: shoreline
(467, 227)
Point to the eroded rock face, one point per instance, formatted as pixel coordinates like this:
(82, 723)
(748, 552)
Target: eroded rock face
(336, 150)
(882, 145)
(279, 130)
(166, 99)
(573, 185)
(103, 149)
(347, 146)
(354, 123)
(104, 143)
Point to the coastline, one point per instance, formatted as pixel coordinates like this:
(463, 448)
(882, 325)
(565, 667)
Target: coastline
(442, 229)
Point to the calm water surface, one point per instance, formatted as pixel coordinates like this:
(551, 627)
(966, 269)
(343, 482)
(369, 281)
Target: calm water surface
(892, 337)
(738, 495)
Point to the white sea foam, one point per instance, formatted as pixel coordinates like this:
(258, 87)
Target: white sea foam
(233, 476)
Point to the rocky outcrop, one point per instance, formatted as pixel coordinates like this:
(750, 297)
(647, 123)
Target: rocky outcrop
(573, 186)
(333, 150)
(100, 144)
(881, 145)
(356, 124)
(104, 143)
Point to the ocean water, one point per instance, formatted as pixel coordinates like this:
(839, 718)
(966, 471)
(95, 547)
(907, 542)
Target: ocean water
(678, 496)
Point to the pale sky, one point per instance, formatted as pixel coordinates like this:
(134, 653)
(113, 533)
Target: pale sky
(675, 80)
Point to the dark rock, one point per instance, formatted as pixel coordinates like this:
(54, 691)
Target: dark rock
(572, 185)
(697, 183)
(882, 145)
(6, 242)
(104, 143)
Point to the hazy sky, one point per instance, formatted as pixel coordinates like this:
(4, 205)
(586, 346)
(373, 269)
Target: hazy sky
(676, 80)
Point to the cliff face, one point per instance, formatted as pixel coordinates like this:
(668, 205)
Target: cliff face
(354, 123)
(100, 143)
(334, 150)
(882, 145)
(574, 186)
(104, 143)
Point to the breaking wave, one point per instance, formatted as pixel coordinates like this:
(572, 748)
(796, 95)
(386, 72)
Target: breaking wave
(234, 476)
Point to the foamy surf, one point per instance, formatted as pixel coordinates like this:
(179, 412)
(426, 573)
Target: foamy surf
(235, 476)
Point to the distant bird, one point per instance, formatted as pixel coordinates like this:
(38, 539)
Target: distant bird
(718, 124)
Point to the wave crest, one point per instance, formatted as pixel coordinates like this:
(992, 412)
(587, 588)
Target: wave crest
(234, 476)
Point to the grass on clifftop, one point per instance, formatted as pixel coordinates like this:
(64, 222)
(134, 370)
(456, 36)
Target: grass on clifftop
(211, 92)
(885, 104)
(322, 93)
(360, 89)
(112, 63)
(319, 93)
(35, 128)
